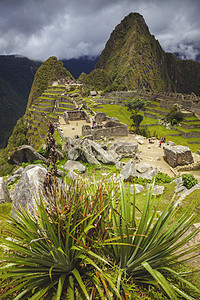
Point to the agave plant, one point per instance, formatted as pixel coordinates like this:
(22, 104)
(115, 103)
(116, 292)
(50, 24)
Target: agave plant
(50, 253)
(149, 250)
(91, 245)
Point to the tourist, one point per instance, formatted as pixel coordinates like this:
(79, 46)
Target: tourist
(160, 143)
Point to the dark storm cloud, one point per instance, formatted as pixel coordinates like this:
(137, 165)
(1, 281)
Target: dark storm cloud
(41, 28)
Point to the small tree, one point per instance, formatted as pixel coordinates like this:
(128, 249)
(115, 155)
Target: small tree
(134, 106)
(175, 115)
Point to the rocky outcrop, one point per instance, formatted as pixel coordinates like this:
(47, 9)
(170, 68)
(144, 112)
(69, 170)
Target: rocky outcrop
(29, 188)
(99, 153)
(4, 195)
(87, 151)
(178, 155)
(25, 154)
(130, 171)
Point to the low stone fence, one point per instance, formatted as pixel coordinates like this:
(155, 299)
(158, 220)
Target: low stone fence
(191, 134)
(188, 126)
(152, 116)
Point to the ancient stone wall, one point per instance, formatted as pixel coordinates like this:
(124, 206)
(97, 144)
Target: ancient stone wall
(73, 115)
(97, 133)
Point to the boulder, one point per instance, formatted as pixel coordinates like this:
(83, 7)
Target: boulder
(25, 154)
(129, 171)
(137, 188)
(88, 156)
(29, 188)
(119, 165)
(4, 194)
(100, 154)
(74, 165)
(170, 143)
(124, 148)
(74, 153)
(178, 155)
(157, 189)
(149, 174)
(143, 167)
(16, 175)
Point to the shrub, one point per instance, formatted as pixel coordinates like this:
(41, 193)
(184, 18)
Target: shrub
(162, 178)
(189, 180)
(174, 116)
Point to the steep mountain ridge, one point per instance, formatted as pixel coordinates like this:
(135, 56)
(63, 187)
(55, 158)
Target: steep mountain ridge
(132, 56)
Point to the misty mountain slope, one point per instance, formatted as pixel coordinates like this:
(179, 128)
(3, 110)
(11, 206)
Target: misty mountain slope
(16, 76)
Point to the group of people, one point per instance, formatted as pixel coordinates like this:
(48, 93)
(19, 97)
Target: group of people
(163, 140)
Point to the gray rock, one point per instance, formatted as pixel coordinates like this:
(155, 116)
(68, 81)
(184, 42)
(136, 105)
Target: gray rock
(138, 188)
(59, 154)
(124, 148)
(178, 155)
(170, 143)
(129, 171)
(178, 181)
(60, 173)
(29, 188)
(18, 171)
(100, 154)
(74, 165)
(11, 179)
(157, 189)
(74, 153)
(119, 165)
(180, 188)
(143, 167)
(149, 174)
(25, 154)
(186, 192)
(114, 155)
(140, 141)
(88, 156)
(4, 194)
(73, 176)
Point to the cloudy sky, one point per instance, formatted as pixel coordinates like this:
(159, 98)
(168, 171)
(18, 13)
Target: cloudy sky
(72, 28)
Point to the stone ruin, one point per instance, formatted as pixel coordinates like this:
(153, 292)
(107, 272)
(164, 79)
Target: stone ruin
(75, 115)
(104, 126)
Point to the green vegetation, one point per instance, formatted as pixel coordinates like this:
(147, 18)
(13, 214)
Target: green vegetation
(135, 106)
(175, 115)
(97, 80)
(189, 180)
(93, 244)
(18, 138)
(49, 71)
